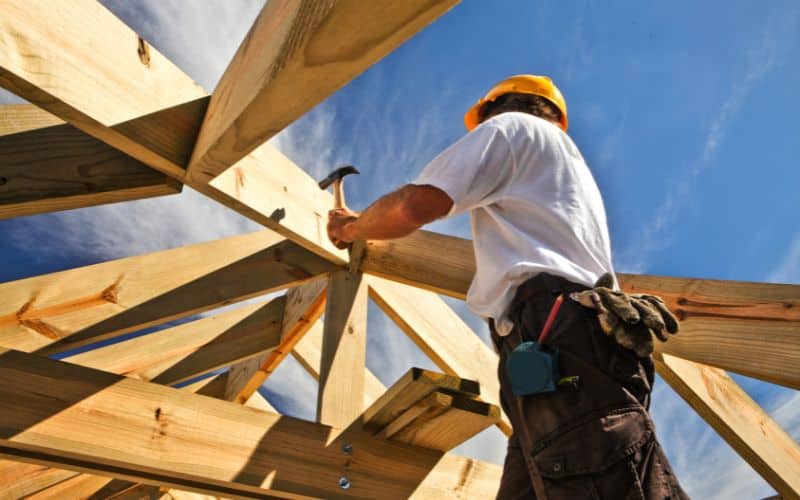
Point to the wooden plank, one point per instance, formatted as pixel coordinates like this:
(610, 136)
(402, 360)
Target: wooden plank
(153, 111)
(296, 54)
(137, 358)
(748, 328)
(436, 262)
(19, 480)
(179, 353)
(344, 350)
(60, 311)
(304, 306)
(58, 167)
(441, 334)
(441, 421)
(20, 118)
(94, 421)
(738, 419)
(70, 484)
(415, 385)
(98, 75)
(308, 352)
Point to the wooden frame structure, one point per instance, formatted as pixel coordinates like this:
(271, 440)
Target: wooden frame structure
(121, 122)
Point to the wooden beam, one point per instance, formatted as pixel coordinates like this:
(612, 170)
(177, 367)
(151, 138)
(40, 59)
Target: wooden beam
(308, 352)
(97, 74)
(296, 54)
(84, 419)
(748, 328)
(58, 167)
(179, 353)
(156, 356)
(436, 262)
(441, 421)
(20, 480)
(154, 111)
(71, 484)
(738, 419)
(60, 311)
(344, 350)
(413, 386)
(441, 334)
(304, 306)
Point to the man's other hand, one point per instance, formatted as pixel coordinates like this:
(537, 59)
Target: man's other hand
(340, 227)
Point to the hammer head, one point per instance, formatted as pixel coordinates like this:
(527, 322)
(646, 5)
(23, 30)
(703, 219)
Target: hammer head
(337, 174)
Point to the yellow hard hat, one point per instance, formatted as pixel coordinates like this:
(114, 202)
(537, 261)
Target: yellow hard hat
(521, 84)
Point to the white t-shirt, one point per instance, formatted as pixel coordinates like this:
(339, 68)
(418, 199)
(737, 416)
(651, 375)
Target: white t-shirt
(534, 207)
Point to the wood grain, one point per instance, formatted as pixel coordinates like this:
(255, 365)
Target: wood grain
(441, 421)
(77, 417)
(344, 350)
(58, 167)
(295, 55)
(181, 352)
(304, 306)
(60, 311)
(413, 386)
(749, 430)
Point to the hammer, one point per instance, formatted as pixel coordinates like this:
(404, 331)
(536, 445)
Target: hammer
(337, 179)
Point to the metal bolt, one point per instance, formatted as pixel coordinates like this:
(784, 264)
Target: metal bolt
(344, 483)
(347, 448)
(557, 467)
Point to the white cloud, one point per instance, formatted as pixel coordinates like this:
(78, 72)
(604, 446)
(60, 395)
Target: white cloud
(760, 61)
(788, 268)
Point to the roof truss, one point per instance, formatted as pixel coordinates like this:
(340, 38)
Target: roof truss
(148, 128)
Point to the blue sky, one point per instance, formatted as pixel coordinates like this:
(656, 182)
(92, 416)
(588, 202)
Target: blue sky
(685, 111)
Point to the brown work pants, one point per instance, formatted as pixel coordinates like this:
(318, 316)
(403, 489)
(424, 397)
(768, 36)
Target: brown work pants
(592, 441)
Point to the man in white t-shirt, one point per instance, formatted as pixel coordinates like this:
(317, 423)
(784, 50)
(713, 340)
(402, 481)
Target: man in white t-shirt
(539, 231)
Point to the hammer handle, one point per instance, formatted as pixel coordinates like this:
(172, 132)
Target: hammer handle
(338, 194)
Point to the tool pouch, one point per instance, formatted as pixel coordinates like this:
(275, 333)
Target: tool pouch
(532, 368)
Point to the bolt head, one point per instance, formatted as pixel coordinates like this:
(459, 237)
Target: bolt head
(344, 483)
(347, 448)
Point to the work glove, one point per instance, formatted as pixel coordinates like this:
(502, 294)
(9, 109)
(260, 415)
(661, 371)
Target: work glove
(632, 319)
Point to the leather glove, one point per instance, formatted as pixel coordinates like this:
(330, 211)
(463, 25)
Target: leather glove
(632, 319)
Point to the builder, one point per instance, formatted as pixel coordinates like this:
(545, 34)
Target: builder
(577, 390)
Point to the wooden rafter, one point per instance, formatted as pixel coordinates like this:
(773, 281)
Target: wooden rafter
(76, 417)
(155, 112)
(59, 311)
(74, 170)
(156, 356)
(295, 55)
(738, 419)
(748, 328)
(182, 352)
(304, 306)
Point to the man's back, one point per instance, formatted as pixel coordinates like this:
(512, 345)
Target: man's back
(534, 207)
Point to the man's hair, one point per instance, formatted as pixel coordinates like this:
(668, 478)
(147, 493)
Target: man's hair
(525, 103)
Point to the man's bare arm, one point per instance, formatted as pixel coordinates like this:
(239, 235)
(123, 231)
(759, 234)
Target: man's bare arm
(395, 215)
